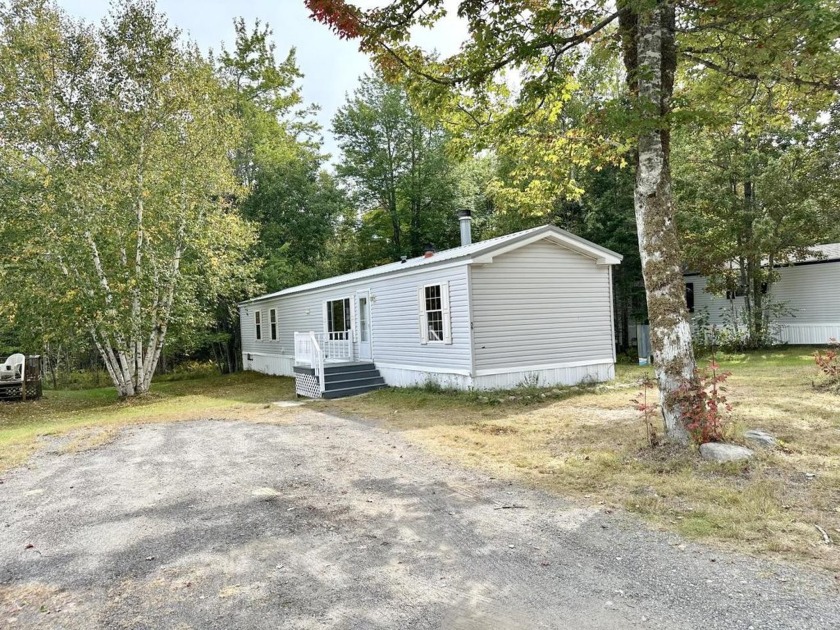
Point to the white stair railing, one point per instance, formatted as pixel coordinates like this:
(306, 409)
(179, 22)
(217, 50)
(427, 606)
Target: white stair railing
(318, 364)
(316, 349)
(338, 346)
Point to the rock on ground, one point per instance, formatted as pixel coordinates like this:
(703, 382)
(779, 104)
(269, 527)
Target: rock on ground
(761, 438)
(720, 452)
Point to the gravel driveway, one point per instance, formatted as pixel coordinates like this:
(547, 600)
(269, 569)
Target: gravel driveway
(329, 523)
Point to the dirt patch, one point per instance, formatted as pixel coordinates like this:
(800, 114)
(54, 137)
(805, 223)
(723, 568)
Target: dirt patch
(495, 429)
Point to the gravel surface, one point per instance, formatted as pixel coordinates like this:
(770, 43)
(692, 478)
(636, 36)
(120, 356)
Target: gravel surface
(329, 523)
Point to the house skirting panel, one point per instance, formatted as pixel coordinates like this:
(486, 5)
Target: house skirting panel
(540, 376)
(546, 376)
(817, 334)
(397, 376)
(274, 364)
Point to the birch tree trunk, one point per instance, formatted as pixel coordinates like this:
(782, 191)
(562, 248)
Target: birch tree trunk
(651, 61)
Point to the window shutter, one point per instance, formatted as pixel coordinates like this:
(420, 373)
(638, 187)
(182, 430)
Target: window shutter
(326, 328)
(423, 317)
(447, 317)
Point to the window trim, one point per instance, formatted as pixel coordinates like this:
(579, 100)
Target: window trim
(349, 320)
(445, 311)
(258, 325)
(272, 323)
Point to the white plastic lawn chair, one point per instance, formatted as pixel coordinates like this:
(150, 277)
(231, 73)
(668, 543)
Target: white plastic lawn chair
(12, 369)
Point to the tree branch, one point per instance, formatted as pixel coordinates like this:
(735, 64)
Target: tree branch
(752, 76)
(565, 43)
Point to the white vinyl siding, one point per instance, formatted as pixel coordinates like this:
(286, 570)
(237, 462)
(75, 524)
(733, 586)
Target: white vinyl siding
(393, 319)
(541, 305)
(809, 291)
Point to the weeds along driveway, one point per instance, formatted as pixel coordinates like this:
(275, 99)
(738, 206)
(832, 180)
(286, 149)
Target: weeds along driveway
(323, 522)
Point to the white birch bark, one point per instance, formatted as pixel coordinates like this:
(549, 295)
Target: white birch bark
(118, 358)
(136, 341)
(658, 244)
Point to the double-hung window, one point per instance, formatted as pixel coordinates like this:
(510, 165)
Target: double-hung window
(435, 319)
(258, 324)
(338, 319)
(272, 320)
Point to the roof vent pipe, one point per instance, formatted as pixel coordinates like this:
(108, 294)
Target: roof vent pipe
(465, 219)
(429, 250)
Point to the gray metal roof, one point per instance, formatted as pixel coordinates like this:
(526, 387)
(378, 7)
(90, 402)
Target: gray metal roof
(465, 253)
(829, 251)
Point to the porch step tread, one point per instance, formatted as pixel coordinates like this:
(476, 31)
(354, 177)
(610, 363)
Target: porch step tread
(338, 376)
(372, 379)
(336, 368)
(351, 391)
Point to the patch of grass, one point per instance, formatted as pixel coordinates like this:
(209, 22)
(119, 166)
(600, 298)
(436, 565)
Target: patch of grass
(589, 443)
(95, 414)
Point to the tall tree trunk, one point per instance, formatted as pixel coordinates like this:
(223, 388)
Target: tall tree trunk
(650, 57)
(754, 280)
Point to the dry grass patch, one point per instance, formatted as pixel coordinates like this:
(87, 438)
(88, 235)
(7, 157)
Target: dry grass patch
(589, 443)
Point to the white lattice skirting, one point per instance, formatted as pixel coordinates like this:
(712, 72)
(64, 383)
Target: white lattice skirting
(307, 385)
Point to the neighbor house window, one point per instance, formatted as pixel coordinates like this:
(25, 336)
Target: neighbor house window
(338, 322)
(272, 320)
(435, 322)
(689, 296)
(741, 291)
(258, 324)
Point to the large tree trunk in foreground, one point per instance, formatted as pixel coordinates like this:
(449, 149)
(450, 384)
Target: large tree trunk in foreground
(651, 62)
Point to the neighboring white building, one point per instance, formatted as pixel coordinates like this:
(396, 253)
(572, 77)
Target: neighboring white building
(534, 306)
(810, 290)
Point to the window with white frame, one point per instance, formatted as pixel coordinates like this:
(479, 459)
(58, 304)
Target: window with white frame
(258, 324)
(272, 321)
(338, 319)
(435, 319)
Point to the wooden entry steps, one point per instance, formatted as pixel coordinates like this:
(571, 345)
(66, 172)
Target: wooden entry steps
(344, 379)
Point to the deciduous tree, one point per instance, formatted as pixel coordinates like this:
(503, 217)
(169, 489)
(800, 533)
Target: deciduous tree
(542, 43)
(119, 141)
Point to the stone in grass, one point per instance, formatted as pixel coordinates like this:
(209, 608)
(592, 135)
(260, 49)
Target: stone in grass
(720, 452)
(760, 438)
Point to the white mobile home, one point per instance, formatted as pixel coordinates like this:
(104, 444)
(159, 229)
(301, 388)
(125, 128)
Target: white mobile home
(534, 306)
(809, 289)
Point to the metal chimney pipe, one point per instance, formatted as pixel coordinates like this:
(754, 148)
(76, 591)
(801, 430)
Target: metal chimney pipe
(465, 219)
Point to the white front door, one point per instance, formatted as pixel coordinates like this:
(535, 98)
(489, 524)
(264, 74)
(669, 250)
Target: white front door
(363, 322)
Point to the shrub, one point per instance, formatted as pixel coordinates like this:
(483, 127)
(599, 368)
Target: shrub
(703, 403)
(737, 331)
(647, 409)
(828, 363)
